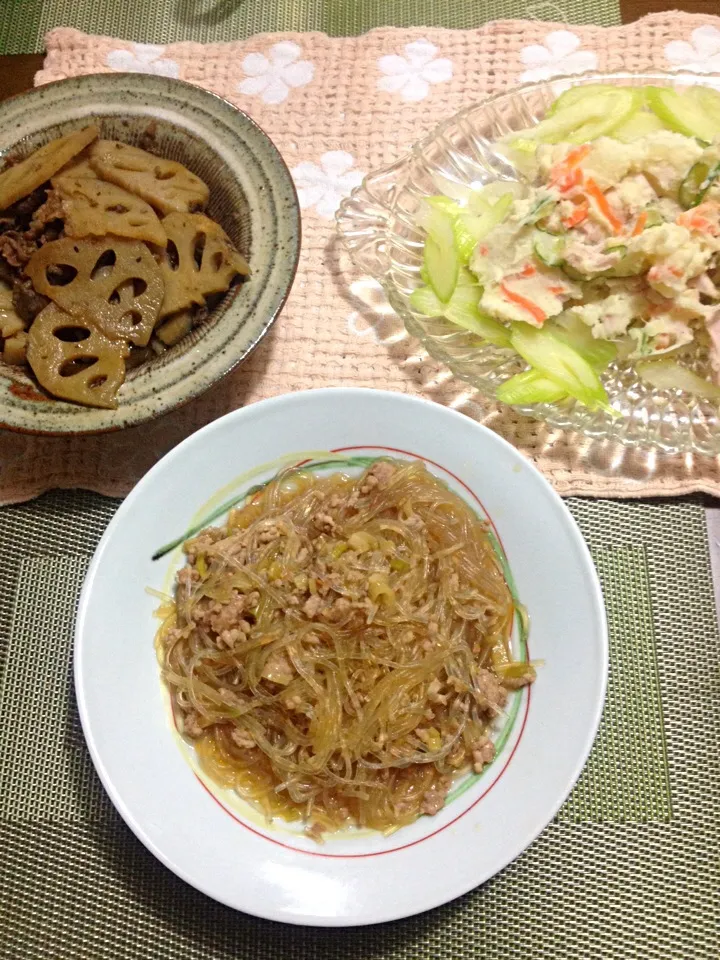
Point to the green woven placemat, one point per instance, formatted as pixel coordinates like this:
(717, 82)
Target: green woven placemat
(23, 23)
(629, 867)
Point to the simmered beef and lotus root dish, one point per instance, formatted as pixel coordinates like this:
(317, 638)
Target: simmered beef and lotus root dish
(106, 261)
(339, 651)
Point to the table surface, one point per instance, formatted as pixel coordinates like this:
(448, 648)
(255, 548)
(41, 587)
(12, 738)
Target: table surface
(81, 887)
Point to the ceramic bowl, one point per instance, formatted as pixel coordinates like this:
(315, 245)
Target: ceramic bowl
(378, 224)
(251, 195)
(222, 845)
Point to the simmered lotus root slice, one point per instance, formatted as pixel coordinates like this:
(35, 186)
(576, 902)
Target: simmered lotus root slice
(74, 361)
(21, 179)
(164, 184)
(79, 166)
(200, 260)
(116, 282)
(95, 208)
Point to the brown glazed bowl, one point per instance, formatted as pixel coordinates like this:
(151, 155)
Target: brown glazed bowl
(251, 195)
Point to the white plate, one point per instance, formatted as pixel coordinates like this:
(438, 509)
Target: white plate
(219, 844)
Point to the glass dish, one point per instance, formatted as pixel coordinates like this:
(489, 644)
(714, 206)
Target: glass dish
(377, 224)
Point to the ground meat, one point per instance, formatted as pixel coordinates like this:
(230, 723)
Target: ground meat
(191, 724)
(269, 534)
(489, 692)
(324, 523)
(201, 544)
(7, 274)
(338, 610)
(49, 212)
(434, 695)
(434, 799)
(22, 212)
(16, 249)
(382, 472)
(377, 476)
(27, 302)
(483, 752)
(227, 616)
(312, 606)
(243, 739)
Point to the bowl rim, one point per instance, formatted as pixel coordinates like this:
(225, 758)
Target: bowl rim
(123, 80)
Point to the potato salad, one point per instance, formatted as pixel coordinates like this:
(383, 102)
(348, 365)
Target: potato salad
(605, 248)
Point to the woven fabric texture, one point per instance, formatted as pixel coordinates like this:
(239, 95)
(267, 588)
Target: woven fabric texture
(338, 108)
(629, 867)
(25, 22)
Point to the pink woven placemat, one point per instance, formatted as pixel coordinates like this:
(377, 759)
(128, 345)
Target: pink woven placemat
(336, 109)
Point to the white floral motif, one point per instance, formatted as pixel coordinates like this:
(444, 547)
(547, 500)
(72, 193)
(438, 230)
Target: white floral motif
(324, 187)
(357, 329)
(560, 54)
(701, 55)
(271, 78)
(143, 58)
(411, 75)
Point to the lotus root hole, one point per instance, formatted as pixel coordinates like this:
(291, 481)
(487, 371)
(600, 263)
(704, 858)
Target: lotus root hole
(106, 259)
(60, 274)
(173, 257)
(199, 249)
(71, 334)
(75, 365)
(161, 174)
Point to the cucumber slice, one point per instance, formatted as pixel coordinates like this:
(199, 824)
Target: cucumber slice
(670, 375)
(463, 311)
(575, 95)
(469, 229)
(707, 98)
(441, 257)
(558, 361)
(591, 117)
(639, 125)
(529, 387)
(548, 248)
(654, 218)
(543, 208)
(598, 353)
(444, 205)
(696, 184)
(682, 113)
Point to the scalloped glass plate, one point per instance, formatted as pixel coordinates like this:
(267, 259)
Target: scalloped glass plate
(377, 224)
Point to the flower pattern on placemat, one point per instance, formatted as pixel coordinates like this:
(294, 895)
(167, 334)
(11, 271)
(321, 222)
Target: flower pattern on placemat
(272, 77)
(700, 55)
(324, 186)
(560, 53)
(143, 58)
(412, 75)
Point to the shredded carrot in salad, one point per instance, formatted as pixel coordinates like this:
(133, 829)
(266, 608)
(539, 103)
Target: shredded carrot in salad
(536, 312)
(697, 218)
(601, 202)
(578, 215)
(572, 160)
(639, 224)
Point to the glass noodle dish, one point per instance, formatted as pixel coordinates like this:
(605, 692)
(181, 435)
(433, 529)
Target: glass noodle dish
(605, 249)
(339, 652)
